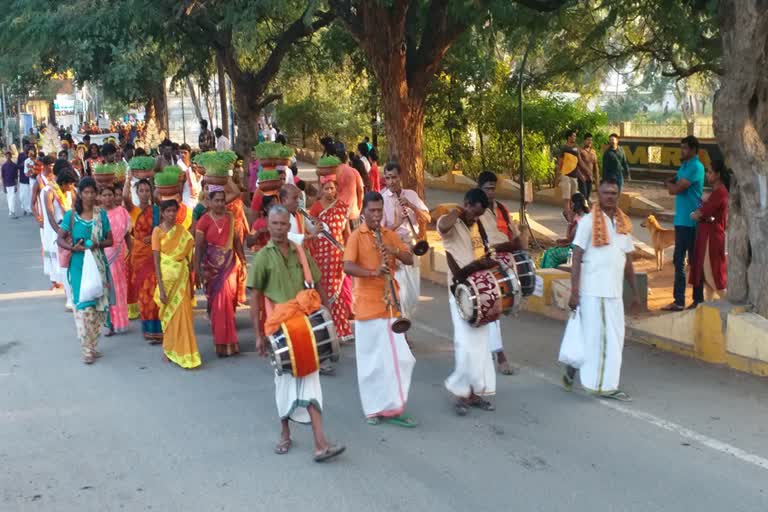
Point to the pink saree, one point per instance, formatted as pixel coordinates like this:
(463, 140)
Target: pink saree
(120, 224)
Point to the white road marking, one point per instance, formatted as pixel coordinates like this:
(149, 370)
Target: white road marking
(646, 417)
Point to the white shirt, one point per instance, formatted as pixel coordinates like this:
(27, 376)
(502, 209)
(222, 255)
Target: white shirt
(602, 268)
(294, 235)
(393, 214)
(29, 167)
(272, 133)
(223, 144)
(192, 186)
(366, 164)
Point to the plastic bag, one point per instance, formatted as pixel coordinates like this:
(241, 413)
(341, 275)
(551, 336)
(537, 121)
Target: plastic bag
(572, 346)
(91, 287)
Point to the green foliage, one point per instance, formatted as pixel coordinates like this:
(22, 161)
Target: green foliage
(328, 161)
(217, 163)
(142, 163)
(272, 150)
(168, 177)
(105, 169)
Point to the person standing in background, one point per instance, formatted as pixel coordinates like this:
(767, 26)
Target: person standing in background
(350, 184)
(222, 143)
(25, 191)
(687, 187)
(570, 178)
(205, 140)
(10, 174)
(615, 162)
(588, 164)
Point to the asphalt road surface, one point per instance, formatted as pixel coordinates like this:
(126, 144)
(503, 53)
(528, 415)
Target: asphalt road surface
(135, 433)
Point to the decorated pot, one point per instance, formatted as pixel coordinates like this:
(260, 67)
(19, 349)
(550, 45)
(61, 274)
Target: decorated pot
(212, 179)
(103, 179)
(270, 185)
(143, 174)
(167, 190)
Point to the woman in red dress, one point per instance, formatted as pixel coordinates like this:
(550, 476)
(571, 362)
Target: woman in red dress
(709, 267)
(219, 251)
(333, 213)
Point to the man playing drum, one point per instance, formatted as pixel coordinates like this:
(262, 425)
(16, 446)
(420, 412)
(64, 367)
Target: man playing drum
(384, 361)
(474, 376)
(278, 273)
(496, 219)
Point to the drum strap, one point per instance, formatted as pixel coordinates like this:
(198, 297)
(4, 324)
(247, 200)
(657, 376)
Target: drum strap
(483, 236)
(308, 281)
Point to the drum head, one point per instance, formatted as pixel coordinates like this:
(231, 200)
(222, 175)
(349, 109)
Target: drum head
(466, 302)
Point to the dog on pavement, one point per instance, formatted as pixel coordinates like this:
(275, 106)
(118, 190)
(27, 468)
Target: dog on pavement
(661, 238)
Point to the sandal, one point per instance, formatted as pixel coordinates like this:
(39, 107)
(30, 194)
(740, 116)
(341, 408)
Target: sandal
(505, 369)
(283, 446)
(328, 371)
(483, 404)
(567, 381)
(401, 421)
(673, 307)
(373, 420)
(88, 360)
(619, 395)
(461, 408)
(330, 452)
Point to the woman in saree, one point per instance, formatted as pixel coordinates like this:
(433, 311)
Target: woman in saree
(89, 230)
(120, 224)
(709, 267)
(219, 251)
(556, 256)
(146, 217)
(172, 247)
(234, 199)
(333, 213)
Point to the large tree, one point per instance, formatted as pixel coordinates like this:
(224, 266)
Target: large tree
(404, 42)
(741, 126)
(250, 40)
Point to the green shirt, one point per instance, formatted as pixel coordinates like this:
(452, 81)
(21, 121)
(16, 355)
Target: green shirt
(615, 164)
(279, 278)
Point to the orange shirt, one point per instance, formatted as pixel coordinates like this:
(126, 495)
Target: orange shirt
(368, 296)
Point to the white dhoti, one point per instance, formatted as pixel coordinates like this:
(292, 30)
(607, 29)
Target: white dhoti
(602, 323)
(46, 259)
(495, 343)
(474, 371)
(25, 197)
(293, 396)
(408, 279)
(11, 198)
(384, 367)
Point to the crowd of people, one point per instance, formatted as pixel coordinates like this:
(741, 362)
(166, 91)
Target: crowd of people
(134, 250)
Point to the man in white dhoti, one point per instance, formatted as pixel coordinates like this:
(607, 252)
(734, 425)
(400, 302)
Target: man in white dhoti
(474, 376)
(277, 275)
(400, 206)
(384, 361)
(57, 198)
(602, 261)
(501, 227)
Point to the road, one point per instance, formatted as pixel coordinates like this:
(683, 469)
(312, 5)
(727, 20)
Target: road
(135, 433)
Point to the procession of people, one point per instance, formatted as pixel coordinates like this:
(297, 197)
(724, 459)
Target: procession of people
(330, 262)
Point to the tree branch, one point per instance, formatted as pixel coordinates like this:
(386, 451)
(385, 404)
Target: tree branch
(542, 5)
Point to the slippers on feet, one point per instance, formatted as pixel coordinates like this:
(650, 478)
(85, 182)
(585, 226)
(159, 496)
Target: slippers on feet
(483, 404)
(328, 371)
(621, 396)
(283, 446)
(373, 420)
(461, 408)
(330, 452)
(567, 382)
(401, 421)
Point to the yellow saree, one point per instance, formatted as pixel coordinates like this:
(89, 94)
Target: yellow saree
(176, 317)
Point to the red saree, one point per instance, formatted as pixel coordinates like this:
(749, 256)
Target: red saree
(221, 281)
(143, 278)
(331, 263)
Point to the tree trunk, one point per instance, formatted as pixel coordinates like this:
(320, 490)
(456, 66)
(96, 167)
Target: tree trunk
(741, 127)
(223, 96)
(247, 119)
(195, 102)
(404, 116)
(158, 102)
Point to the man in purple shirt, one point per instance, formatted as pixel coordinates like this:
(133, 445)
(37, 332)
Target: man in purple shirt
(11, 184)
